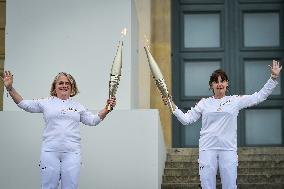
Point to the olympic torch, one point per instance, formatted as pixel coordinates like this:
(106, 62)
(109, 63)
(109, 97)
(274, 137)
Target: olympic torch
(115, 72)
(159, 79)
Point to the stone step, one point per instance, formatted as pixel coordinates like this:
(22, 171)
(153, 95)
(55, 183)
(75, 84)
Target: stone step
(248, 157)
(183, 151)
(194, 171)
(261, 150)
(242, 164)
(242, 178)
(240, 186)
(241, 150)
(259, 168)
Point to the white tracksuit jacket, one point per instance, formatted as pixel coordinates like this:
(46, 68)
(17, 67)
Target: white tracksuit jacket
(219, 117)
(62, 118)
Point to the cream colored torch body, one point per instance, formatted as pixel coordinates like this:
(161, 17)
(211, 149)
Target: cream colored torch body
(115, 72)
(159, 79)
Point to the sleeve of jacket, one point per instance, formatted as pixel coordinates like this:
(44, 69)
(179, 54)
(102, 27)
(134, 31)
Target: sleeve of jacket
(257, 97)
(191, 115)
(32, 106)
(89, 118)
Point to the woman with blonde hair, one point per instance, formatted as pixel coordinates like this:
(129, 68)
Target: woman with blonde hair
(60, 151)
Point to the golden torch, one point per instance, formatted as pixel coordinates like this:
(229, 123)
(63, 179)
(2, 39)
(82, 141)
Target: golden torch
(115, 72)
(159, 79)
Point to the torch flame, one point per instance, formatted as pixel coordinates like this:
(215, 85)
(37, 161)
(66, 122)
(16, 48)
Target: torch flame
(146, 42)
(123, 32)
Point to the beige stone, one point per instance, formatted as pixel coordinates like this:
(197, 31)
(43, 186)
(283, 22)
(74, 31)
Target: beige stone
(2, 41)
(2, 45)
(161, 50)
(2, 14)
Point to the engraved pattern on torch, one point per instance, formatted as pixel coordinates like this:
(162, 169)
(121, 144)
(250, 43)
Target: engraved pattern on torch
(159, 79)
(161, 84)
(115, 73)
(113, 85)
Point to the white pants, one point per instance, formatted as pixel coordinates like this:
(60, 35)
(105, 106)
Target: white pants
(208, 164)
(55, 166)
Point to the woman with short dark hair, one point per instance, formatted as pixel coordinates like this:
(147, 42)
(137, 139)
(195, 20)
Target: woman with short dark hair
(218, 135)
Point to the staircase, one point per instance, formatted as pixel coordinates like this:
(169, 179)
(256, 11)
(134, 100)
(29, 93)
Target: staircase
(259, 168)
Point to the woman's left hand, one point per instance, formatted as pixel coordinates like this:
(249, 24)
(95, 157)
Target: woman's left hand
(112, 102)
(275, 69)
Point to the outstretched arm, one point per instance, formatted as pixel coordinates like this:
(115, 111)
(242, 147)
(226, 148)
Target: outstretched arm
(190, 116)
(7, 79)
(258, 97)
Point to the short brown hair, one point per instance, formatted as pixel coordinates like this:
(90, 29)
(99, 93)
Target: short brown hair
(216, 74)
(74, 88)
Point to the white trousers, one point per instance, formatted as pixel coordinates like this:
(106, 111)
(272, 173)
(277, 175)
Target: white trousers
(209, 161)
(56, 166)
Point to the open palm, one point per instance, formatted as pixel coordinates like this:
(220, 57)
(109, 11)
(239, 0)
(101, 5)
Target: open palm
(275, 68)
(7, 78)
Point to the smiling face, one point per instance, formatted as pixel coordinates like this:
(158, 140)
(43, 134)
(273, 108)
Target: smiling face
(63, 87)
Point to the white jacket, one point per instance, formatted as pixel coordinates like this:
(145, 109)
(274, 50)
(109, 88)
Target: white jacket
(219, 117)
(62, 117)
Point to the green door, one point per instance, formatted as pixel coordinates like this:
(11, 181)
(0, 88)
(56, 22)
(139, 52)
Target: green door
(241, 37)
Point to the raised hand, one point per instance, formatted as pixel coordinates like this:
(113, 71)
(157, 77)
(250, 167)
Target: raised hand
(275, 69)
(7, 79)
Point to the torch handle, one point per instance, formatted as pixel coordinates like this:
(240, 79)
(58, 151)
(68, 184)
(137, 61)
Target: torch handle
(109, 107)
(170, 104)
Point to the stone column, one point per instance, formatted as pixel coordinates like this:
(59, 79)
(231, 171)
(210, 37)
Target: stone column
(161, 50)
(2, 45)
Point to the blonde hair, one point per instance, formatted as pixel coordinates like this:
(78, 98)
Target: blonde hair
(74, 88)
